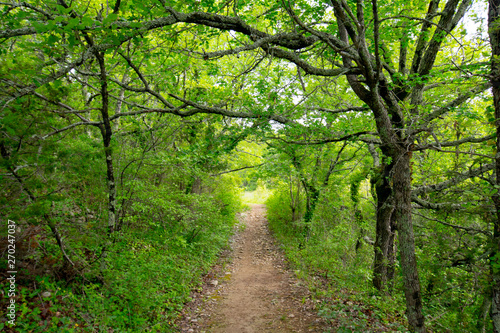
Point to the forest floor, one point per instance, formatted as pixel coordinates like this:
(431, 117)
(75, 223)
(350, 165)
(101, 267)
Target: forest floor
(251, 289)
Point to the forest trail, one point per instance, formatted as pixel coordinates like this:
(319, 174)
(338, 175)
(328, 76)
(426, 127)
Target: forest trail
(255, 293)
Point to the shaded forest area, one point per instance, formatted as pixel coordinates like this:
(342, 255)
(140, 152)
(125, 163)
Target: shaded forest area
(129, 128)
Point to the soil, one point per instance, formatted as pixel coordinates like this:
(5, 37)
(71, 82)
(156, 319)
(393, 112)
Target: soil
(252, 289)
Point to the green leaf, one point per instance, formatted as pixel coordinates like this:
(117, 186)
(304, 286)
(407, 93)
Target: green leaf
(71, 24)
(110, 18)
(52, 39)
(39, 27)
(87, 21)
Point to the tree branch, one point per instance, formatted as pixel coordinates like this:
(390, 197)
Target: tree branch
(234, 170)
(453, 181)
(456, 102)
(470, 139)
(446, 206)
(320, 142)
(457, 227)
(348, 109)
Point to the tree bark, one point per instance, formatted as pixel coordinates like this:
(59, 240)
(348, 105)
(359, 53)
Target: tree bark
(107, 132)
(384, 237)
(385, 254)
(494, 33)
(402, 214)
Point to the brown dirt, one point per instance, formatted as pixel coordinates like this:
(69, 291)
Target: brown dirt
(254, 293)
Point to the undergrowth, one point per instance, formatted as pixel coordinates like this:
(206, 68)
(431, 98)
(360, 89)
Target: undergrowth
(168, 241)
(334, 264)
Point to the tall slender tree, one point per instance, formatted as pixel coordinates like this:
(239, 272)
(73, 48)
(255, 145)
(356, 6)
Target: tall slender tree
(494, 33)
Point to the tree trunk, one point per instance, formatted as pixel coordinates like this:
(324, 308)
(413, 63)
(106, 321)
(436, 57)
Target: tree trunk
(294, 199)
(392, 249)
(384, 259)
(403, 216)
(196, 188)
(482, 322)
(55, 232)
(312, 195)
(107, 132)
(494, 33)
(311, 191)
(384, 238)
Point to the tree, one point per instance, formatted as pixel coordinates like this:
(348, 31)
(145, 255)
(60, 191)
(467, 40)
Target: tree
(494, 34)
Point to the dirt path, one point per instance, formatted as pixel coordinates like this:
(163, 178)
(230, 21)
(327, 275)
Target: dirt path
(255, 293)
